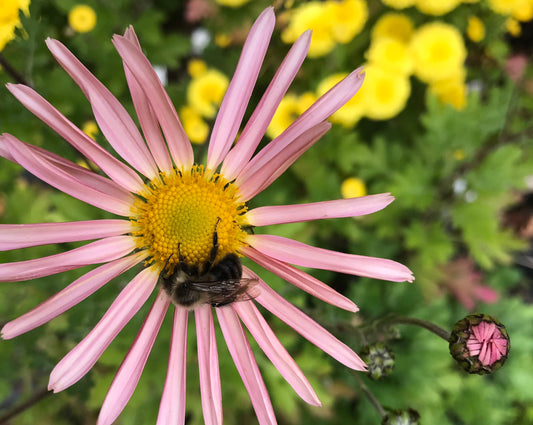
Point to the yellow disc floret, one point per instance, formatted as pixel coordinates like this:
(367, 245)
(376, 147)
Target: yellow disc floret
(179, 212)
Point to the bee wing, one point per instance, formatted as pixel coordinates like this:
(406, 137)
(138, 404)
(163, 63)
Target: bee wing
(226, 291)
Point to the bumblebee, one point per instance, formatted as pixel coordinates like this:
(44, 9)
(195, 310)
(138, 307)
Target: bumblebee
(216, 283)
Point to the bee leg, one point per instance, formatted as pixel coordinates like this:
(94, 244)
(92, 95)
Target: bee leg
(214, 250)
(165, 266)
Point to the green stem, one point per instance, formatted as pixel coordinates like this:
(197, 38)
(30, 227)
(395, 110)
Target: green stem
(371, 397)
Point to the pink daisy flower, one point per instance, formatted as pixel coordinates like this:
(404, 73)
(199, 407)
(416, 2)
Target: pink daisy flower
(186, 224)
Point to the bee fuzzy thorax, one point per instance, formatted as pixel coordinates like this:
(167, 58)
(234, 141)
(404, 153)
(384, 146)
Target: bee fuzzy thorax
(179, 210)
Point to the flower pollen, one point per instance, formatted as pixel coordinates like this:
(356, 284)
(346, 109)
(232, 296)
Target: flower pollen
(178, 213)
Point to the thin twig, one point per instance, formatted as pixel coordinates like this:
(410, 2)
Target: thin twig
(34, 399)
(17, 76)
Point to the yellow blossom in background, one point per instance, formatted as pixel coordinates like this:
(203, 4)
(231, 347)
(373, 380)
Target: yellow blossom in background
(348, 17)
(384, 93)
(521, 10)
(391, 55)
(393, 25)
(290, 108)
(310, 16)
(438, 51)
(232, 3)
(205, 92)
(475, 29)
(436, 7)
(222, 40)
(399, 4)
(352, 111)
(196, 67)
(459, 154)
(195, 127)
(331, 21)
(82, 18)
(451, 91)
(10, 18)
(90, 129)
(513, 27)
(353, 187)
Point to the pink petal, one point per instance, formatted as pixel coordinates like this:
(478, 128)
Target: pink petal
(300, 254)
(486, 294)
(14, 236)
(318, 112)
(145, 113)
(83, 357)
(300, 279)
(116, 170)
(142, 70)
(208, 364)
(73, 294)
(172, 407)
(279, 160)
(352, 207)
(306, 326)
(130, 370)
(240, 89)
(275, 351)
(69, 177)
(252, 134)
(244, 360)
(101, 251)
(114, 121)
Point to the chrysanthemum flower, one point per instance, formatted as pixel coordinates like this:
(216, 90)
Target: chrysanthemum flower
(183, 218)
(438, 51)
(436, 7)
(394, 25)
(289, 109)
(82, 18)
(352, 111)
(10, 19)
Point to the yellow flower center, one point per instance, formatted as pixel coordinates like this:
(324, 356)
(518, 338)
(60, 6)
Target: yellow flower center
(179, 212)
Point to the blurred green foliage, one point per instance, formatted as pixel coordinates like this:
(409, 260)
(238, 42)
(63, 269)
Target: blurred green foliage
(453, 174)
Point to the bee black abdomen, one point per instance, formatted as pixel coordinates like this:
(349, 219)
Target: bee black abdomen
(229, 268)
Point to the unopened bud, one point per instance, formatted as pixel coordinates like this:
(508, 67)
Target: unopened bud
(479, 343)
(401, 417)
(379, 359)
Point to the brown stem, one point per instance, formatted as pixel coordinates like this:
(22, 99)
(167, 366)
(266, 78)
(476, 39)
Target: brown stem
(34, 399)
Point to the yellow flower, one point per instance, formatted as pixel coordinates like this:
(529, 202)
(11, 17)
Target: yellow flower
(451, 91)
(290, 108)
(195, 127)
(312, 15)
(347, 18)
(222, 40)
(232, 3)
(384, 93)
(390, 54)
(196, 67)
(353, 187)
(352, 111)
(90, 129)
(206, 91)
(513, 27)
(9, 18)
(522, 10)
(436, 7)
(438, 51)
(82, 18)
(475, 29)
(459, 154)
(399, 4)
(393, 25)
